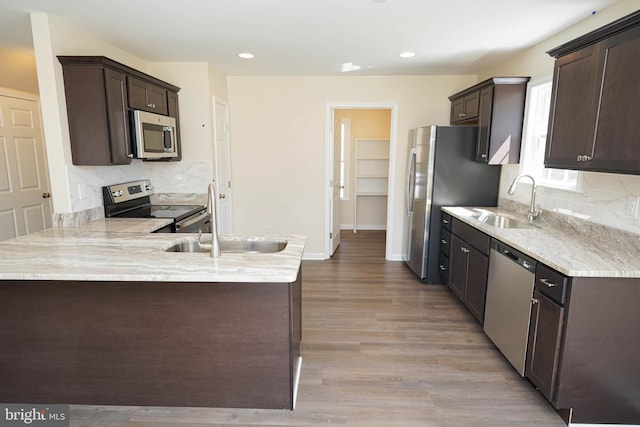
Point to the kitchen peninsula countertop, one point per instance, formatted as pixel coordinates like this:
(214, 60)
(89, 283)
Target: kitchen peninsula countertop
(574, 247)
(126, 250)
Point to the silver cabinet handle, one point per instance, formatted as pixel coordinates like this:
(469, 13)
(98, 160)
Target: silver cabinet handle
(534, 301)
(464, 250)
(445, 221)
(584, 158)
(484, 156)
(462, 115)
(443, 241)
(547, 282)
(443, 268)
(222, 196)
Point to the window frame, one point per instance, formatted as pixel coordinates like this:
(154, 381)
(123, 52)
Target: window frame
(536, 128)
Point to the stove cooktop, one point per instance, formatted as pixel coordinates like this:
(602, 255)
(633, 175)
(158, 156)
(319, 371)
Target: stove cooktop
(174, 211)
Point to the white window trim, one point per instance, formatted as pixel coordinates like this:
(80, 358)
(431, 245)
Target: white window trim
(532, 132)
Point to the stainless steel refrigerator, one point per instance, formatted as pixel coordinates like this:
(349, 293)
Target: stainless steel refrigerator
(441, 172)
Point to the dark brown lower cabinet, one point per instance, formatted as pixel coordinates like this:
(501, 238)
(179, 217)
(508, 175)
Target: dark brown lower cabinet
(583, 347)
(545, 331)
(469, 266)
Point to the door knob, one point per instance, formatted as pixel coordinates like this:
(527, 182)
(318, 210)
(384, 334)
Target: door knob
(46, 195)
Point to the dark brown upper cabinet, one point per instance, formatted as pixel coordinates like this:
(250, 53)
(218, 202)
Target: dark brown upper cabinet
(496, 106)
(595, 107)
(98, 96)
(146, 96)
(465, 108)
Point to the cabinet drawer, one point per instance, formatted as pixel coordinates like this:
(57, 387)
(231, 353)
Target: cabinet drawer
(444, 268)
(475, 238)
(445, 220)
(551, 283)
(445, 241)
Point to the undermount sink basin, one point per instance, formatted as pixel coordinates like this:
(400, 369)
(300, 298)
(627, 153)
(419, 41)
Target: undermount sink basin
(500, 221)
(229, 246)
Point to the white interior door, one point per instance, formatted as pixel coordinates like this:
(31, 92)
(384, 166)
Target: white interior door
(25, 205)
(223, 166)
(335, 185)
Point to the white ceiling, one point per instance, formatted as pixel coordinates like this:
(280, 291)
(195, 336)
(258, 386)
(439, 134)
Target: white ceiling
(310, 37)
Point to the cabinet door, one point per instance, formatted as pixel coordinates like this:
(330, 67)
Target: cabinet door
(458, 259)
(457, 110)
(484, 124)
(617, 146)
(157, 99)
(476, 289)
(118, 121)
(545, 332)
(471, 106)
(573, 107)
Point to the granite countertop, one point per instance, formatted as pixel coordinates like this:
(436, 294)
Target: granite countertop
(126, 250)
(573, 247)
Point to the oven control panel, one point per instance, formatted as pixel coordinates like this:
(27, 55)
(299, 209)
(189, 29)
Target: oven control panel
(119, 193)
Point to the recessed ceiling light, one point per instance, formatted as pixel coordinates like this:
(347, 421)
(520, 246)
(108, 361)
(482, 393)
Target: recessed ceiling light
(246, 55)
(349, 66)
(407, 54)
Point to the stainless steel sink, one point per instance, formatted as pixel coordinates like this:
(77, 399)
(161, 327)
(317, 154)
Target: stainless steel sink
(500, 221)
(229, 246)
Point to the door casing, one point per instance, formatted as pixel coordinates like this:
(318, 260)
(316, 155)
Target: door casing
(392, 234)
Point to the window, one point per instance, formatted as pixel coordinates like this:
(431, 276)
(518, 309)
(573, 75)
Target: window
(345, 157)
(534, 141)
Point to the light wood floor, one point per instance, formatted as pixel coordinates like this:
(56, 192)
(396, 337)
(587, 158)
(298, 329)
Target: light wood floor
(379, 349)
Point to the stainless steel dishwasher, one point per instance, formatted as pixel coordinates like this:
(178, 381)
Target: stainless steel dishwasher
(508, 306)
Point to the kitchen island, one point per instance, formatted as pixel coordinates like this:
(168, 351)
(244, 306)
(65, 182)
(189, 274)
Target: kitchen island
(101, 314)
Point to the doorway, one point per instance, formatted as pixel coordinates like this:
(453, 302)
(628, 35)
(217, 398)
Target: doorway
(25, 205)
(360, 169)
(222, 165)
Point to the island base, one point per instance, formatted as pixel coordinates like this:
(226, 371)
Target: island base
(150, 343)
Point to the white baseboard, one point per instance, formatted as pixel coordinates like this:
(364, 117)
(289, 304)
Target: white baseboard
(349, 227)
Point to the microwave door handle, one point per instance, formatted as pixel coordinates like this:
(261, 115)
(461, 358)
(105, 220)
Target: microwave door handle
(167, 138)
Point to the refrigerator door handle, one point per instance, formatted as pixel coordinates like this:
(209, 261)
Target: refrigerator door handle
(411, 180)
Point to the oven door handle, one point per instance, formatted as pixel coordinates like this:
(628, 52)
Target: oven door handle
(191, 220)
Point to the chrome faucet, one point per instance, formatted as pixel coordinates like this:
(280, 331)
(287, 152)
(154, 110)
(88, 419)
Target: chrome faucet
(211, 210)
(534, 209)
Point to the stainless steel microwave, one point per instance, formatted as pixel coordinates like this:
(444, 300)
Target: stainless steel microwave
(154, 135)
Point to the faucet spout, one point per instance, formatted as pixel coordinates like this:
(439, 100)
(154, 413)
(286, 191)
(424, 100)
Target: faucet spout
(211, 210)
(534, 209)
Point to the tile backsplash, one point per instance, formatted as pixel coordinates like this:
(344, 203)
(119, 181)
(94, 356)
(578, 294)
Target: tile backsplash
(169, 179)
(86, 182)
(602, 198)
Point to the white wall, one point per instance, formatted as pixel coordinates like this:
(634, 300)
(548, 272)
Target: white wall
(78, 188)
(603, 196)
(278, 131)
